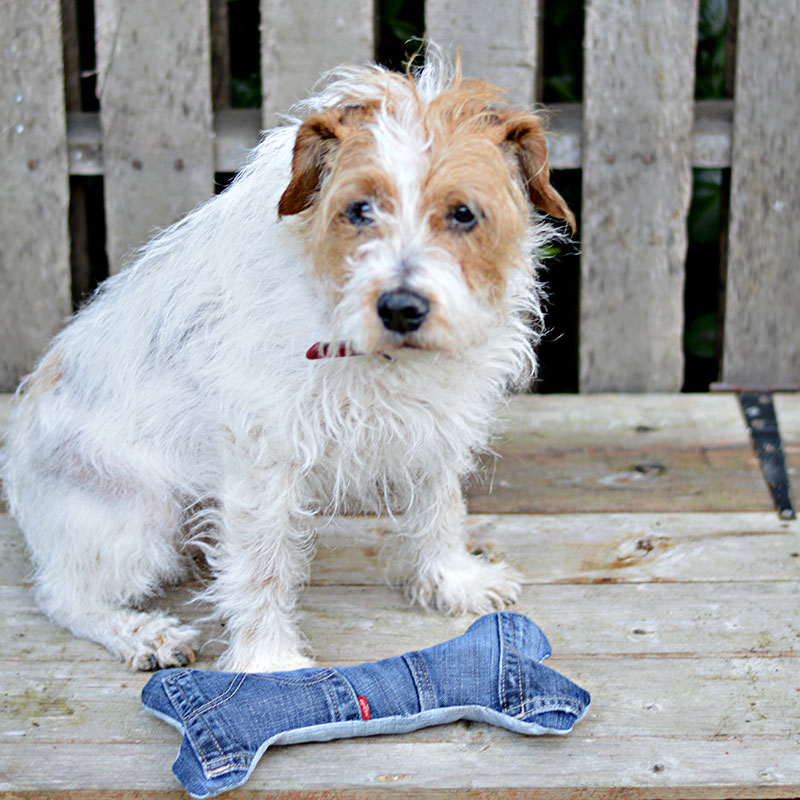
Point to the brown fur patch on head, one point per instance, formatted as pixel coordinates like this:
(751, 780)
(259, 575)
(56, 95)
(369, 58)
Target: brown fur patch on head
(474, 106)
(317, 141)
(470, 150)
(469, 176)
(524, 141)
(493, 160)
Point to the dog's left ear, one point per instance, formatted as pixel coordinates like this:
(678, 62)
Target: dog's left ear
(315, 147)
(525, 144)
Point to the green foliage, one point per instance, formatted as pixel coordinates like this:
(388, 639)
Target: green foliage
(700, 339)
(246, 92)
(399, 18)
(711, 49)
(705, 212)
(402, 27)
(563, 51)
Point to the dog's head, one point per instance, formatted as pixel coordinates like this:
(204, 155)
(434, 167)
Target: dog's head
(416, 201)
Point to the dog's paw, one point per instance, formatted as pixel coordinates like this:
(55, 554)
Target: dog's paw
(160, 642)
(466, 584)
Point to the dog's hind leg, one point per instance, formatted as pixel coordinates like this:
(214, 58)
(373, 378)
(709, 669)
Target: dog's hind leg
(96, 556)
(260, 564)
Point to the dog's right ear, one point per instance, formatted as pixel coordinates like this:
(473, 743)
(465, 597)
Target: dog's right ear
(315, 147)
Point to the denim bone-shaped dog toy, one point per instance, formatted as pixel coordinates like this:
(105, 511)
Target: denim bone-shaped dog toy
(492, 673)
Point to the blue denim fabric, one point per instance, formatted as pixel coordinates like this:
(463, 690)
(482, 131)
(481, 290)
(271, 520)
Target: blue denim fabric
(492, 673)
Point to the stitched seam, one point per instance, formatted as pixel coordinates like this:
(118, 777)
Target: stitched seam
(424, 672)
(503, 648)
(544, 704)
(219, 699)
(519, 665)
(226, 767)
(197, 747)
(312, 680)
(414, 677)
(332, 696)
(350, 688)
(231, 691)
(421, 678)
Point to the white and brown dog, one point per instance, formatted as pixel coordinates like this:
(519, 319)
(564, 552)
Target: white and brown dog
(334, 332)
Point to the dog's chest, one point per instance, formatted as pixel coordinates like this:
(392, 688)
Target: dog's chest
(378, 442)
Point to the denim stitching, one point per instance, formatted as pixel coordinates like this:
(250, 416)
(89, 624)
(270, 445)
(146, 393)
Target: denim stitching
(220, 699)
(545, 704)
(311, 680)
(419, 674)
(427, 677)
(503, 658)
(519, 665)
(332, 696)
(414, 677)
(196, 744)
(349, 686)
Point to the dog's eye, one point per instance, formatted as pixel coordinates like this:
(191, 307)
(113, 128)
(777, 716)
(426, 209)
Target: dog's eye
(358, 213)
(462, 218)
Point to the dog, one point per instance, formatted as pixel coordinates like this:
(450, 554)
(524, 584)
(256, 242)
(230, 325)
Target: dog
(334, 333)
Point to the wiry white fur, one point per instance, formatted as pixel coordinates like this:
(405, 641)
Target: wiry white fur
(178, 404)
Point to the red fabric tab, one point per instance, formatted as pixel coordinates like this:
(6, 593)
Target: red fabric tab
(364, 706)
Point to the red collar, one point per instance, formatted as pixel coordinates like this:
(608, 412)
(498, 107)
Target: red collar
(330, 350)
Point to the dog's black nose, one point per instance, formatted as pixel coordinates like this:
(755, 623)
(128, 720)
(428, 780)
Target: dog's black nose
(402, 311)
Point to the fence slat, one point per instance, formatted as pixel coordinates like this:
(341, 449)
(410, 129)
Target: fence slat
(639, 74)
(763, 287)
(499, 45)
(302, 39)
(34, 237)
(154, 85)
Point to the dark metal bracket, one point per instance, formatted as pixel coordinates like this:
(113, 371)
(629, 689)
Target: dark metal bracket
(762, 421)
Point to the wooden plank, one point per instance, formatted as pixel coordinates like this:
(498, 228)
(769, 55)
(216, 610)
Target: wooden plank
(559, 548)
(349, 624)
(6, 404)
(654, 453)
(761, 344)
(622, 453)
(482, 763)
(711, 133)
(154, 86)
(704, 420)
(57, 702)
(565, 135)
(85, 143)
(787, 407)
(34, 237)
(236, 130)
(638, 109)
(683, 626)
(302, 39)
(500, 46)
(649, 478)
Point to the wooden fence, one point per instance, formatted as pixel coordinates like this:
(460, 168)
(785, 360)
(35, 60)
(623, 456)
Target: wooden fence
(636, 137)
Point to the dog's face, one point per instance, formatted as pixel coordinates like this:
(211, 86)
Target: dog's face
(417, 213)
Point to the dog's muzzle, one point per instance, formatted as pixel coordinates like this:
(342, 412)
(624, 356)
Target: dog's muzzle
(402, 311)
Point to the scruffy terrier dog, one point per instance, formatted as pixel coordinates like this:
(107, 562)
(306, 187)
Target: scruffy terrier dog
(335, 332)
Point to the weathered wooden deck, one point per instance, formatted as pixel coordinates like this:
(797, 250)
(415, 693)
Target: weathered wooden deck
(665, 582)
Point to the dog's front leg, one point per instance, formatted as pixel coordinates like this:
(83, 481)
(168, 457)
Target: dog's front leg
(446, 576)
(260, 564)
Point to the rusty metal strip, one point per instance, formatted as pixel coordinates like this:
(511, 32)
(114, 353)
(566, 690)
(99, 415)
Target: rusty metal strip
(762, 421)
